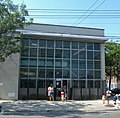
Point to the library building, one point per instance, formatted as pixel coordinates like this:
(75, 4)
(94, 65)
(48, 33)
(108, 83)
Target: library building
(65, 56)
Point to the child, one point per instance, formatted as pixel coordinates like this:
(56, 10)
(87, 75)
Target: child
(103, 98)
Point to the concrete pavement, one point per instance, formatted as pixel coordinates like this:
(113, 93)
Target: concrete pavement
(13, 107)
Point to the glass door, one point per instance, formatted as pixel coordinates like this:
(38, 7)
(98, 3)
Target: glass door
(58, 88)
(61, 85)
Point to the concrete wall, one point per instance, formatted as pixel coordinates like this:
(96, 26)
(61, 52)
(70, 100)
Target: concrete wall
(9, 73)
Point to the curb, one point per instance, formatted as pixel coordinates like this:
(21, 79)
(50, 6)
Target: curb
(49, 110)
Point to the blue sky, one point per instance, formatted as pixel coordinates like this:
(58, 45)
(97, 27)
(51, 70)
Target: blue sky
(111, 25)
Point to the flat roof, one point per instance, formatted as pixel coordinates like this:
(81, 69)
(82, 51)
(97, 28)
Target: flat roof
(67, 26)
(60, 29)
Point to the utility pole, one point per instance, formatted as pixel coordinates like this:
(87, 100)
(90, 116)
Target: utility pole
(110, 78)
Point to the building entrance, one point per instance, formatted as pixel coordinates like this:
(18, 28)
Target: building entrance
(62, 85)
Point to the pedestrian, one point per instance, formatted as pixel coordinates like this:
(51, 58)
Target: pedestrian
(51, 93)
(108, 94)
(103, 98)
(65, 92)
(115, 99)
(62, 95)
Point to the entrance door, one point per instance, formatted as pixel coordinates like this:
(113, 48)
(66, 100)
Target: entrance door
(61, 85)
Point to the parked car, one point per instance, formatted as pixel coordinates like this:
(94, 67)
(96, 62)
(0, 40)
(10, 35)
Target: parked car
(115, 91)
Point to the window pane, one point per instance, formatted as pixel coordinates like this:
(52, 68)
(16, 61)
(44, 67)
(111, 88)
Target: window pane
(32, 83)
(90, 84)
(48, 82)
(58, 85)
(82, 55)
(33, 52)
(50, 43)
(66, 44)
(75, 84)
(96, 46)
(75, 45)
(66, 74)
(90, 46)
(49, 73)
(33, 62)
(97, 64)
(89, 54)
(24, 72)
(58, 73)
(33, 42)
(82, 74)
(75, 54)
(50, 63)
(41, 73)
(50, 53)
(23, 83)
(66, 64)
(42, 52)
(89, 64)
(58, 44)
(97, 74)
(89, 74)
(82, 83)
(25, 42)
(58, 53)
(75, 64)
(41, 62)
(82, 45)
(97, 84)
(25, 52)
(32, 72)
(24, 62)
(66, 53)
(41, 83)
(74, 74)
(58, 63)
(97, 55)
(82, 64)
(42, 43)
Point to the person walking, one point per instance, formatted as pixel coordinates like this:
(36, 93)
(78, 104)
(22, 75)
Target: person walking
(108, 95)
(62, 95)
(103, 98)
(65, 92)
(49, 92)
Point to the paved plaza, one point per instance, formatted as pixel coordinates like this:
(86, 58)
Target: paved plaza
(28, 106)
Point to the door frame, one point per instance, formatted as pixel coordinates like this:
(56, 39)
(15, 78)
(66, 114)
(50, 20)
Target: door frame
(63, 83)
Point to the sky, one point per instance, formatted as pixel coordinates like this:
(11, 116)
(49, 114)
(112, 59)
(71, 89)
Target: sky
(103, 14)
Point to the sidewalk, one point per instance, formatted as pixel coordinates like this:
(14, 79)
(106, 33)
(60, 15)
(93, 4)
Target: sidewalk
(54, 106)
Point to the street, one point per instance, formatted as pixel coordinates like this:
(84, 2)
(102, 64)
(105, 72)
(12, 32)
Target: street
(103, 114)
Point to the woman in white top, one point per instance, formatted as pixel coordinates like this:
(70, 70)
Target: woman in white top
(51, 92)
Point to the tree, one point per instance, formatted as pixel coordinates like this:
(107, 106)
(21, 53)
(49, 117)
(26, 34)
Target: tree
(12, 17)
(112, 59)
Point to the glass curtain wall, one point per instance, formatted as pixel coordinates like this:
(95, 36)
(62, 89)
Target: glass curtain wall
(43, 61)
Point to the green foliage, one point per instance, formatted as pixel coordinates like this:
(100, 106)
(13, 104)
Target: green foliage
(12, 17)
(112, 58)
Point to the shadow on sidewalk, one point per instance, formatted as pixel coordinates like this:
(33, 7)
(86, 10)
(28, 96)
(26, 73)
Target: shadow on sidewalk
(47, 108)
